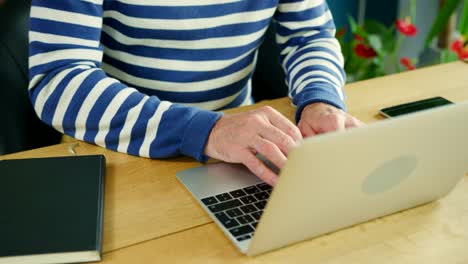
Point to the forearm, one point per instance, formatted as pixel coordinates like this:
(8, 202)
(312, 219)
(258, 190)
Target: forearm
(73, 94)
(310, 54)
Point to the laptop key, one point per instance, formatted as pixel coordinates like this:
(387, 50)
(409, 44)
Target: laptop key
(243, 230)
(234, 213)
(264, 186)
(256, 215)
(248, 199)
(223, 197)
(260, 196)
(260, 205)
(224, 206)
(242, 238)
(254, 225)
(209, 200)
(226, 221)
(238, 193)
(251, 189)
(245, 219)
(248, 208)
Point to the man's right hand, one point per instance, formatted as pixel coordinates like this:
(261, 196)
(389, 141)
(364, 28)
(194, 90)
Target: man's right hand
(237, 138)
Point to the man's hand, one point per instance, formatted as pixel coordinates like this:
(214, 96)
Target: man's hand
(237, 138)
(318, 118)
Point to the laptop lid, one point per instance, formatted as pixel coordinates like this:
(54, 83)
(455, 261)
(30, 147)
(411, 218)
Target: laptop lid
(337, 180)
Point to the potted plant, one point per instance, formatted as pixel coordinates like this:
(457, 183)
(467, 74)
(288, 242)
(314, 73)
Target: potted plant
(458, 49)
(373, 49)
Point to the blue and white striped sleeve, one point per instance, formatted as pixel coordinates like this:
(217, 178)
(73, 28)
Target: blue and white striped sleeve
(70, 92)
(310, 54)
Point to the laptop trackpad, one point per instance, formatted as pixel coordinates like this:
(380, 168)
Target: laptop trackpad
(216, 178)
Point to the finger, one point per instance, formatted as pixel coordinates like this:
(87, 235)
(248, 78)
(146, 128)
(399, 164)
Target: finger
(353, 122)
(273, 134)
(280, 121)
(360, 123)
(259, 169)
(306, 130)
(270, 151)
(341, 122)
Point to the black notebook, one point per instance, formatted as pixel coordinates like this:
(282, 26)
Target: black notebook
(51, 209)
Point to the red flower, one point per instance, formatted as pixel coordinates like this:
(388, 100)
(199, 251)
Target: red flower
(405, 61)
(406, 27)
(364, 51)
(358, 38)
(458, 46)
(341, 32)
(463, 55)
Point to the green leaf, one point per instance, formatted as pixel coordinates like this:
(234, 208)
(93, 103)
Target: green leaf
(355, 28)
(375, 42)
(464, 20)
(352, 23)
(448, 56)
(385, 33)
(442, 19)
(413, 9)
(375, 27)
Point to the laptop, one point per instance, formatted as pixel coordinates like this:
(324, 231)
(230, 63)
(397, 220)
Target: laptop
(337, 180)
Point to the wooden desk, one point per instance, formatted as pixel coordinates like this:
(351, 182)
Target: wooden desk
(150, 218)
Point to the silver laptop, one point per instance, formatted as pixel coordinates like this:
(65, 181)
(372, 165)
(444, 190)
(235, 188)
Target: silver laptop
(337, 180)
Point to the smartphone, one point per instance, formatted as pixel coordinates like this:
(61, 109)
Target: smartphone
(416, 106)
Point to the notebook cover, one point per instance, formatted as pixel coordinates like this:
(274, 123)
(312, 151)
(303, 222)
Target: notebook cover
(51, 205)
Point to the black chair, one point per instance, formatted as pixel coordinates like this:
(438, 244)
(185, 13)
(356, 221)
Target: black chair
(20, 128)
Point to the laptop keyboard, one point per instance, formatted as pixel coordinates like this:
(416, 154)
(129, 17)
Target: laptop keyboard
(240, 210)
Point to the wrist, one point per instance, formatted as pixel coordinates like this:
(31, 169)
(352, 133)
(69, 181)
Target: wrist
(318, 93)
(197, 133)
(210, 149)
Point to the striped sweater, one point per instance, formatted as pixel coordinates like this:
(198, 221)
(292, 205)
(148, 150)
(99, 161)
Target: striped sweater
(144, 76)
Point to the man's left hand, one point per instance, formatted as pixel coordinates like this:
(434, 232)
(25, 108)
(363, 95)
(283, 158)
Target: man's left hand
(318, 118)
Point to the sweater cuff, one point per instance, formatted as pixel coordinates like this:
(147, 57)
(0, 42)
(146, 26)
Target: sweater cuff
(196, 134)
(319, 93)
